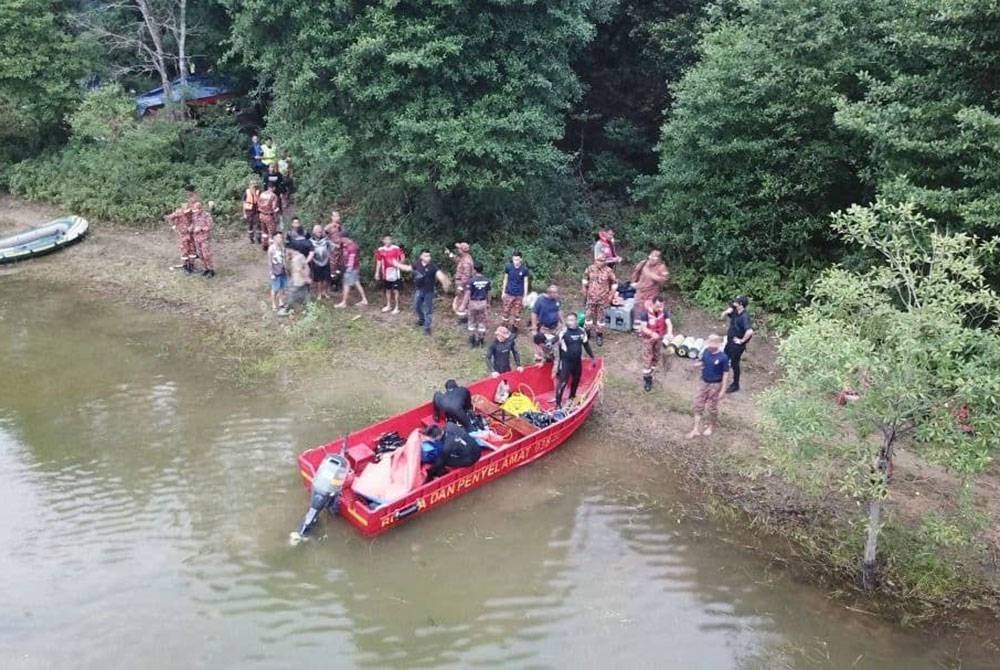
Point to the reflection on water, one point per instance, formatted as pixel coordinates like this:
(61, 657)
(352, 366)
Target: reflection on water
(145, 508)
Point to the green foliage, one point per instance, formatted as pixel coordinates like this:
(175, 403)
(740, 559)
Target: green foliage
(932, 119)
(751, 162)
(40, 68)
(120, 169)
(626, 73)
(914, 337)
(776, 292)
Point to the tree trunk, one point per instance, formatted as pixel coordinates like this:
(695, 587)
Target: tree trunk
(869, 566)
(182, 58)
(880, 486)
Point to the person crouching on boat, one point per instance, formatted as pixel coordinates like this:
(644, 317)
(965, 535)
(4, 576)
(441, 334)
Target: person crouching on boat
(458, 448)
(455, 405)
(570, 345)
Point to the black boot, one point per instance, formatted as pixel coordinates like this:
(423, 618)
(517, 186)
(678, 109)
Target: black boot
(188, 267)
(600, 339)
(514, 329)
(732, 388)
(647, 383)
(472, 341)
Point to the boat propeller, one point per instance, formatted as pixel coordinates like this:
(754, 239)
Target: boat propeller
(326, 486)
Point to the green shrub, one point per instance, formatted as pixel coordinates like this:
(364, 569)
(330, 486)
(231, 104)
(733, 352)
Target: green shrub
(117, 168)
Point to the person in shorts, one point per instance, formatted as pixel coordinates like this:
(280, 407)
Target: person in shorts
(299, 278)
(319, 263)
(351, 254)
(279, 273)
(387, 260)
(714, 373)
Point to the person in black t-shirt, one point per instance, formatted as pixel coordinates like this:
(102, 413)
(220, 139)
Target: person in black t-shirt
(740, 332)
(571, 343)
(426, 275)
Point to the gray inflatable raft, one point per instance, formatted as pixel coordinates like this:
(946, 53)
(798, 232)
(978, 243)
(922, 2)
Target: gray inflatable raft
(43, 240)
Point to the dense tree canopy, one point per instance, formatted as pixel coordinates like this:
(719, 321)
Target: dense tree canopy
(41, 67)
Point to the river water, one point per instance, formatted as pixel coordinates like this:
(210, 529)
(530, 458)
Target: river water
(146, 503)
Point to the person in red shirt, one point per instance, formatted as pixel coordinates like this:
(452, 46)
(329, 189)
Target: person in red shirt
(654, 325)
(387, 259)
(351, 254)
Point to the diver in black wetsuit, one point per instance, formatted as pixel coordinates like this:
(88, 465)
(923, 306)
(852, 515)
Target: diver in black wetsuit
(458, 449)
(570, 344)
(455, 404)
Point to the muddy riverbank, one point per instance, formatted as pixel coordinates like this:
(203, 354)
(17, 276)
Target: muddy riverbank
(227, 322)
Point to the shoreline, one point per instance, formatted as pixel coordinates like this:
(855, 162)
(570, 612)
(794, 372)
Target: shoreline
(231, 319)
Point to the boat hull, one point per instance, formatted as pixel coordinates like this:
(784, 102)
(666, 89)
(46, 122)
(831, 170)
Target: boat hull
(492, 465)
(53, 236)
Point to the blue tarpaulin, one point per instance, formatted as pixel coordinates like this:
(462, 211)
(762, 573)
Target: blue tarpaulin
(200, 90)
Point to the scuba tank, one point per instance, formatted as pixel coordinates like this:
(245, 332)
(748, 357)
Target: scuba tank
(696, 349)
(682, 349)
(326, 486)
(671, 345)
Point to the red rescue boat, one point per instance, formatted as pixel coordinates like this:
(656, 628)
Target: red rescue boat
(520, 442)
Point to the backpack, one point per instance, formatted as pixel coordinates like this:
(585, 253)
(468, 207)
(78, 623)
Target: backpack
(321, 252)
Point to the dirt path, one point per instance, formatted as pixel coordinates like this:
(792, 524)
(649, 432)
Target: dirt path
(233, 312)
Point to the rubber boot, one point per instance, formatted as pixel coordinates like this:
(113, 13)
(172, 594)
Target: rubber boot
(472, 341)
(600, 339)
(647, 383)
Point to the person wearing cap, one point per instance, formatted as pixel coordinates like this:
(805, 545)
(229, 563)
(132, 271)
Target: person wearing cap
(464, 269)
(599, 286)
(546, 321)
(454, 404)
(605, 246)
(740, 332)
(715, 368)
(500, 351)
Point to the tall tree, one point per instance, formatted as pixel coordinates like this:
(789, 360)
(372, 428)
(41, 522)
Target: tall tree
(932, 119)
(751, 162)
(910, 350)
(436, 100)
(627, 71)
(41, 68)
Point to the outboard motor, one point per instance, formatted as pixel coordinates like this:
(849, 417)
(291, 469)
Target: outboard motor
(326, 486)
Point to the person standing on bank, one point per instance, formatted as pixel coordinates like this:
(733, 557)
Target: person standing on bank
(351, 254)
(546, 321)
(648, 278)
(571, 344)
(268, 207)
(500, 351)
(464, 269)
(250, 216)
(479, 288)
(201, 229)
(740, 332)
(426, 275)
(599, 286)
(279, 273)
(387, 258)
(714, 372)
(319, 262)
(516, 279)
(654, 325)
